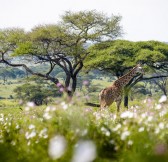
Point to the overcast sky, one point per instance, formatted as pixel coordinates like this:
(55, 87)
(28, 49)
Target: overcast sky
(141, 19)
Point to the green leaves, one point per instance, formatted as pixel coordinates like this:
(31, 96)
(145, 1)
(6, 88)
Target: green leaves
(47, 33)
(24, 48)
(63, 44)
(119, 55)
(92, 25)
(10, 38)
(111, 55)
(147, 55)
(13, 35)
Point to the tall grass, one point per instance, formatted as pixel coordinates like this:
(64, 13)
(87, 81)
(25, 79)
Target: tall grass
(71, 132)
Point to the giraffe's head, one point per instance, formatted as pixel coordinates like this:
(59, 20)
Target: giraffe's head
(139, 69)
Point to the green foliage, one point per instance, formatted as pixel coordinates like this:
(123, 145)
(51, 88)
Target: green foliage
(147, 55)
(10, 38)
(111, 54)
(119, 55)
(47, 32)
(92, 25)
(11, 72)
(24, 48)
(60, 45)
(38, 93)
(73, 31)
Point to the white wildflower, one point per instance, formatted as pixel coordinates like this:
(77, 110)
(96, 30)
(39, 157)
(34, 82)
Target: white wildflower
(162, 113)
(125, 122)
(1, 117)
(56, 147)
(64, 105)
(27, 135)
(127, 114)
(30, 104)
(27, 108)
(157, 130)
(47, 109)
(161, 125)
(124, 135)
(43, 133)
(114, 116)
(150, 118)
(30, 135)
(136, 106)
(85, 151)
(97, 115)
(158, 106)
(13, 143)
(118, 126)
(107, 133)
(31, 126)
(163, 99)
(47, 116)
(28, 143)
(17, 126)
(141, 129)
(103, 129)
(50, 108)
(130, 142)
(143, 115)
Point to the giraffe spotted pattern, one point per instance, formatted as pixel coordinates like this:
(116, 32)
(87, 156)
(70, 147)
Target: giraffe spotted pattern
(114, 93)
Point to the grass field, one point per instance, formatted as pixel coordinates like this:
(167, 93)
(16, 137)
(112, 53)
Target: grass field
(70, 131)
(6, 90)
(73, 132)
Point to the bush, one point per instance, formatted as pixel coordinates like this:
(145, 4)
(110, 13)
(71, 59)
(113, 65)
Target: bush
(37, 93)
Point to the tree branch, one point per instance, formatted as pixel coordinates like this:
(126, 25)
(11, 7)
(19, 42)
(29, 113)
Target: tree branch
(55, 80)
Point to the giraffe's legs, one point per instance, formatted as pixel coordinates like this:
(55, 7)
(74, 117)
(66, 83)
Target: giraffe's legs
(118, 103)
(102, 105)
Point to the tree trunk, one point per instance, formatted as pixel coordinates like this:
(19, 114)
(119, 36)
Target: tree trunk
(67, 80)
(128, 87)
(126, 92)
(70, 85)
(74, 84)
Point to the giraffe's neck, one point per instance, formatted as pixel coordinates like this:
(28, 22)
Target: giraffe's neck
(124, 80)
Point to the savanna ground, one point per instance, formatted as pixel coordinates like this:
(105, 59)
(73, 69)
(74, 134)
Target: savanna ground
(72, 131)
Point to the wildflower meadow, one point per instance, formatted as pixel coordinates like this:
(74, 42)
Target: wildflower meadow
(63, 62)
(74, 132)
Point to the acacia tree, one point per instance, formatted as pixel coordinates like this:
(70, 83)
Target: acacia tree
(119, 56)
(62, 44)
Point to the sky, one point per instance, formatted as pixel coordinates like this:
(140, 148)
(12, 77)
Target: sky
(142, 20)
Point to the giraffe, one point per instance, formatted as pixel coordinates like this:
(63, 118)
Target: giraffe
(114, 93)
